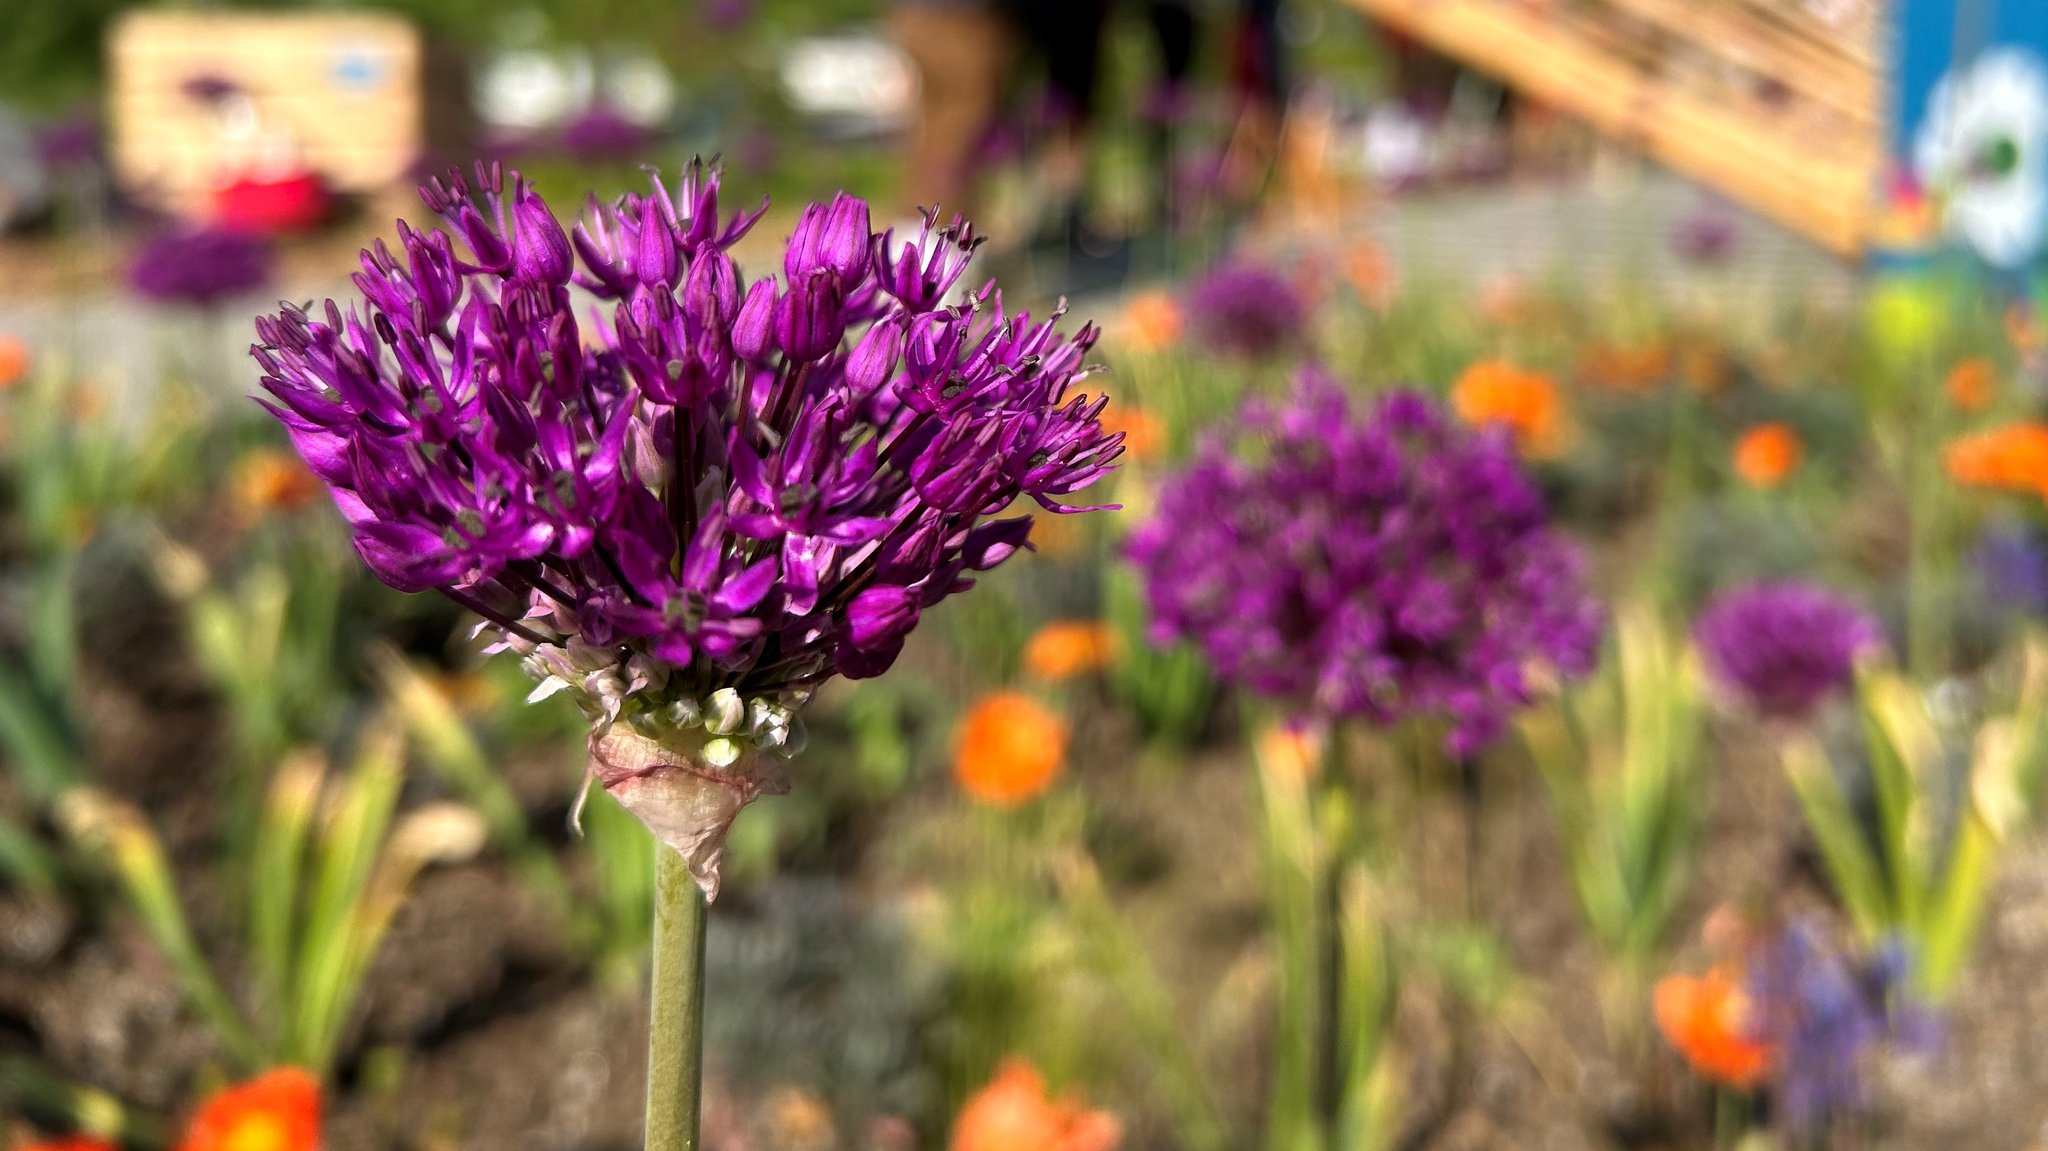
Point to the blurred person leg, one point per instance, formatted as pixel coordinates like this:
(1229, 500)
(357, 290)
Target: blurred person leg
(1168, 105)
(962, 51)
(1068, 34)
(1257, 74)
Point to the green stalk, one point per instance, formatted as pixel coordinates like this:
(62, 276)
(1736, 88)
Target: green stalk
(675, 1027)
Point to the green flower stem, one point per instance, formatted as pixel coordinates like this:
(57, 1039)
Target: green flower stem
(675, 1030)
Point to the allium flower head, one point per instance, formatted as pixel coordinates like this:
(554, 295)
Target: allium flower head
(1245, 310)
(202, 266)
(1380, 561)
(600, 132)
(1784, 646)
(689, 507)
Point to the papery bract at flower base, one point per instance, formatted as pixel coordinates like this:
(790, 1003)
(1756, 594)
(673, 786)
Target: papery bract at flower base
(688, 512)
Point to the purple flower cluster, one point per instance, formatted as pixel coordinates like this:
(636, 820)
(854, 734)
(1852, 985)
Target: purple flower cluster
(599, 132)
(202, 266)
(1385, 563)
(714, 489)
(1245, 310)
(1784, 646)
(1825, 1017)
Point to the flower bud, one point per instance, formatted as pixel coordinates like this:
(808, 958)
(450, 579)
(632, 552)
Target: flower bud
(723, 712)
(720, 752)
(654, 257)
(832, 237)
(754, 330)
(540, 247)
(808, 319)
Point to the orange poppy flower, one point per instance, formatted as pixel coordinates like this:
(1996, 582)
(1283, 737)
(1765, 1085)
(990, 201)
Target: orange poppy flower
(1526, 403)
(270, 480)
(1067, 648)
(276, 1111)
(2013, 458)
(1293, 751)
(1704, 367)
(1632, 368)
(1707, 1020)
(1152, 322)
(1767, 455)
(1012, 1113)
(1970, 383)
(1009, 750)
(14, 361)
(1142, 432)
(1369, 272)
(2024, 330)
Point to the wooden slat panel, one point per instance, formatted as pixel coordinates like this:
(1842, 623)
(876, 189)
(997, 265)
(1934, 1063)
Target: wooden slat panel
(1811, 173)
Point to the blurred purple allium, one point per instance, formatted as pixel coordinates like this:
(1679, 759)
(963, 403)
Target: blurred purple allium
(728, 15)
(1784, 646)
(1825, 1017)
(201, 266)
(69, 144)
(1246, 310)
(208, 87)
(2012, 569)
(1380, 561)
(599, 132)
(1707, 234)
(689, 512)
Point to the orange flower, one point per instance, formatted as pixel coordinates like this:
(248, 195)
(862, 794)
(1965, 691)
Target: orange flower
(1296, 752)
(1066, 648)
(1009, 749)
(1627, 367)
(14, 361)
(1370, 274)
(1142, 431)
(2014, 457)
(1504, 300)
(1012, 1113)
(1767, 454)
(1970, 383)
(2023, 328)
(1704, 367)
(270, 480)
(1707, 1020)
(1497, 392)
(276, 1111)
(1152, 322)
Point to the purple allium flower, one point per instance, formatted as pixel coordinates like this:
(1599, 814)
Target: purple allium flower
(690, 509)
(599, 132)
(1825, 1016)
(208, 88)
(69, 144)
(1384, 562)
(1707, 234)
(202, 266)
(1784, 646)
(1245, 310)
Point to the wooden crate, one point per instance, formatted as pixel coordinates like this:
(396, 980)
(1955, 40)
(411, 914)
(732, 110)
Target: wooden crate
(339, 92)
